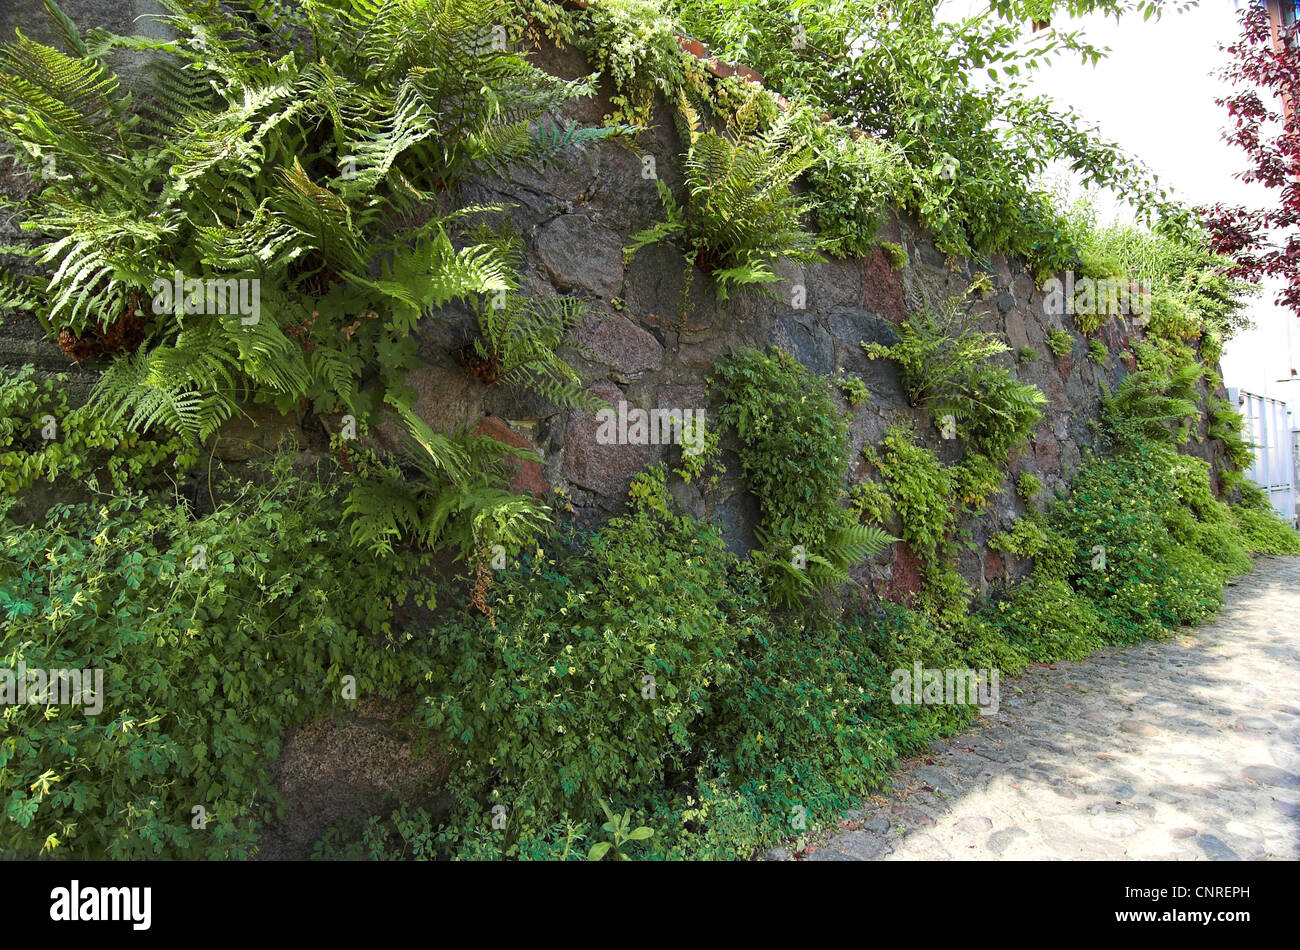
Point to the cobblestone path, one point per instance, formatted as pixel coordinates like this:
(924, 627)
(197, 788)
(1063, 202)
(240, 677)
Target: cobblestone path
(1185, 749)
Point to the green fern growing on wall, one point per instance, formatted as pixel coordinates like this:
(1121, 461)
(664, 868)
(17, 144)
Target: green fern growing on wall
(457, 497)
(1156, 403)
(741, 216)
(937, 349)
(298, 145)
(518, 344)
(944, 360)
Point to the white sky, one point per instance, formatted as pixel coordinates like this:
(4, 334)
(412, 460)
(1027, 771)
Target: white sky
(1154, 95)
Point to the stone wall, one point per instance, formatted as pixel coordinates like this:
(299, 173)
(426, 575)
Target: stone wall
(640, 345)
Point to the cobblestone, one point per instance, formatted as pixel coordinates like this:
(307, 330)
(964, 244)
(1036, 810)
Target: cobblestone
(1185, 749)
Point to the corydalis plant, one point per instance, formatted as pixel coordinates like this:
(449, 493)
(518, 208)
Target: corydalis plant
(301, 144)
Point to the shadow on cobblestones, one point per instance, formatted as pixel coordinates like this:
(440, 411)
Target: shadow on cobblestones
(1187, 748)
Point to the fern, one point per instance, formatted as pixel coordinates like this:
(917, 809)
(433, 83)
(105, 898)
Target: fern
(795, 571)
(1153, 404)
(300, 144)
(937, 350)
(458, 500)
(943, 360)
(518, 345)
(742, 215)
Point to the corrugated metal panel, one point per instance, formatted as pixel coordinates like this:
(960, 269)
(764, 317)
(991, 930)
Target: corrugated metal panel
(1267, 426)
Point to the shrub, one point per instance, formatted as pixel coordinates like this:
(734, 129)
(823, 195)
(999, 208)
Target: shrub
(214, 633)
(794, 452)
(1031, 538)
(633, 44)
(920, 487)
(801, 722)
(975, 479)
(1040, 620)
(1122, 515)
(595, 670)
(855, 183)
(1262, 531)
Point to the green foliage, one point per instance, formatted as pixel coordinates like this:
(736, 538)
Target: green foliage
(633, 44)
(459, 497)
(642, 670)
(1029, 486)
(1226, 425)
(794, 452)
(1098, 353)
(928, 498)
(284, 161)
(804, 721)
(1059, 342)
(1191, 295)
(943, 361)
(895, 254)
(871, 502)
(855, 182)
(1031, 539)
(620, 831)
(214, 633)
(1026, 355)
(1141, 524)
(1040, 620)
(970, 151)
(921, 488)
(595, 669)
(994, 412)
(628, 680)
(80, 444)
(854, 390)
(1158, 402)
(406, 836)
(519, 342)
(741, 216)
(975, 479)
(1262, 531)
(937, 351)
